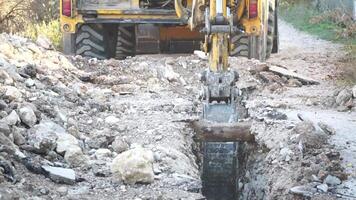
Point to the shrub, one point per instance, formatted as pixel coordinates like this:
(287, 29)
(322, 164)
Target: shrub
(51, 30)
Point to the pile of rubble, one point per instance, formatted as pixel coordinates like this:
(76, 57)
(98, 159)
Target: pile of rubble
(92, 125)
(78, 128)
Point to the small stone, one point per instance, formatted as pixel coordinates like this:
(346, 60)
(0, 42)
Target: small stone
(12, 118)
(102, 153)
(112, 120)
(119, 145)
(326, 128)
(29, 82)
(19, 139)
(294, 83)
(315, 178)
(64, 142)
(43, 136)
(75, 157)
(332, 180)
(12, 93)
(62, 190)
(30, 70)
(4, 128)
(5, 78)
(354, 91)
(343, 97)
(44, 42)
(27, 116)
(3, 105)
(342, 108)
(303, 190)
(323, 187)
(309, 136)
(134, 166)
(60, 175)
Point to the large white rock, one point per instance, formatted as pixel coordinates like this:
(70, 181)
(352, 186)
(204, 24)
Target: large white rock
(134, 166)
(27, 116)
(66, 141)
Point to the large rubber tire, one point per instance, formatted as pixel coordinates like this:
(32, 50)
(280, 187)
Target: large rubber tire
(270, 30)
(258, 47)
(126, 42)
(90, 41)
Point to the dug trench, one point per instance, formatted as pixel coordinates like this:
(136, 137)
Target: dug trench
(289, 156)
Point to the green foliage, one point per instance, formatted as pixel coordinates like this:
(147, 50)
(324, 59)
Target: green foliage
(327, 25)
(51, 30)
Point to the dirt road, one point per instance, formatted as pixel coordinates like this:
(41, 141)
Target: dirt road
(90, 116)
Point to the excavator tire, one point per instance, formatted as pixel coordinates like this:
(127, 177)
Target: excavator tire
(96, 40)
(258, 47)
(270, 30)
(126, 42)
(90, 41)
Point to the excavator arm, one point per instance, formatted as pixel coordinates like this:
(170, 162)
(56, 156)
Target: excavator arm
(219, 128)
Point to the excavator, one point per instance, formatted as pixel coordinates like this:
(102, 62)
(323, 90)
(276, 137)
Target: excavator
(220, 28)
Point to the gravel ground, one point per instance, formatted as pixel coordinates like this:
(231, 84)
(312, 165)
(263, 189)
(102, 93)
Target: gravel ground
(120, 125)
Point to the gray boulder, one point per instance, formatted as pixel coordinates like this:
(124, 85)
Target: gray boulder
(27, 116)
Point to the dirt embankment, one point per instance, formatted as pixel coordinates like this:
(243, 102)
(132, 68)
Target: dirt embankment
(118, 126)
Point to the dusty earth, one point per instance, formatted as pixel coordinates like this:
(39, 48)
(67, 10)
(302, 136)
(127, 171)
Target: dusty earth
(92, 116)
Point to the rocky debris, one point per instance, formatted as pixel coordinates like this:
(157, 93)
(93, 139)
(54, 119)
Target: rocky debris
(75, 157)
(326, 128)
(112, 120)
(3, 105)
(119, 145)
(43, 136)
(344, 97)
(12, 93)
(332, 180)
(12, 119)
(60, 175)
(134, 166)
(202, 55)
(27, 116)
(44, 42)
(65, 142)
(323, 188)
(304, 190)
(102, 153)
(7, 194)
(354, 92)
(88, 111)
(309, 136)
(5, 128)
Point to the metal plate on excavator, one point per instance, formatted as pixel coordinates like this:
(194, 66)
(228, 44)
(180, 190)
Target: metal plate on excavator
(220, 161)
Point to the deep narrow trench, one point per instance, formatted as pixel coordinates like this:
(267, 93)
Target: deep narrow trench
(227, 166)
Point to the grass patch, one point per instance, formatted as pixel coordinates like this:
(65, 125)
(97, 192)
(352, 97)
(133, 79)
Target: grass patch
(50, 30)
(326, 25)
(333, 26)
